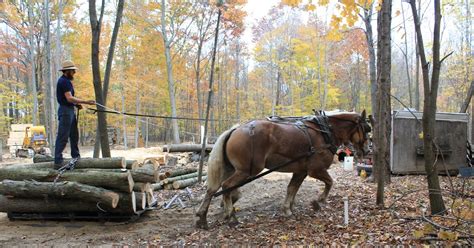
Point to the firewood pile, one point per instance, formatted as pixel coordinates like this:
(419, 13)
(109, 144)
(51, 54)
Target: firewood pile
(94, 186)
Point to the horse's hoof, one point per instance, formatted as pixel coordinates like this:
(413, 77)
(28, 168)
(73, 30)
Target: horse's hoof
(202, 224)
(315, 205)
(287, 213)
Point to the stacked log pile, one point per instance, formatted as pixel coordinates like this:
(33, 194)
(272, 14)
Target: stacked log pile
(107, 185)
(178, 178)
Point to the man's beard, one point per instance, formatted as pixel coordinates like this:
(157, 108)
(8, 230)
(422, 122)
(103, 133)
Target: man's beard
(69, 76)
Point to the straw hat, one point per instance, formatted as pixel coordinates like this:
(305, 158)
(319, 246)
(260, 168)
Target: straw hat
(68, 65)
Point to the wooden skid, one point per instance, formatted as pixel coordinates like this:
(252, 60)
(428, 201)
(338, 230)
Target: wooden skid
(78, 216)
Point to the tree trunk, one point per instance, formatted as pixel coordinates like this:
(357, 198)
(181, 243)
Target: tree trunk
(47, 76)
(32, 58)
(113, 41)
(466, 102)
(405, 55)
(417, 72)
(237, 81)
(429, 108)
(110, 180)
(68, 190)
(23, 205)
(137, 122)
(99, 97)
(371, 49)
(209, 98)
(124, 119)
(383, 114)
(169, 69)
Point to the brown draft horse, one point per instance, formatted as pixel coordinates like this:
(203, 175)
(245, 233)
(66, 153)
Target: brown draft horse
(244, 151)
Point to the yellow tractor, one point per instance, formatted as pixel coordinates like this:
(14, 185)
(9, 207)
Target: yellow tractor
(34, 142)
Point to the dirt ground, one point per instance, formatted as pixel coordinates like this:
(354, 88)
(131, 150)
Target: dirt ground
(261, 222)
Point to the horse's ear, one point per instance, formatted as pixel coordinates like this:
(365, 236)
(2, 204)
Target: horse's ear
(363, 115)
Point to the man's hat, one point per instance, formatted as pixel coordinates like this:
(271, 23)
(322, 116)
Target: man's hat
(68, 65)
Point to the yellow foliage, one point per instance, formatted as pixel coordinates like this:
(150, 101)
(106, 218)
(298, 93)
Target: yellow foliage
(418, 234)
(446, 235)
(291, 3)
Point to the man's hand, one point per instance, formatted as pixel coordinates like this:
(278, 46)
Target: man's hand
(89, 102)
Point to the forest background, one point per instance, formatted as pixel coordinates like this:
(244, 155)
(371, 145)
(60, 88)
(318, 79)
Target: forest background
(295, 58)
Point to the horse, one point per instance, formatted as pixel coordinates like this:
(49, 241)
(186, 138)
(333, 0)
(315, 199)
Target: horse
(302, 146)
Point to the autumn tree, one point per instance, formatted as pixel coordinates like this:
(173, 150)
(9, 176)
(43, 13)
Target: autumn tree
(101, 92)
(430, 87)
(382, 128)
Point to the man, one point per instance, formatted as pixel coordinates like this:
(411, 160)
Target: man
(67, 128)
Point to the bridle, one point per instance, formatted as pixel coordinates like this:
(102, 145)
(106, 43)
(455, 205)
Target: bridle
(362, 127)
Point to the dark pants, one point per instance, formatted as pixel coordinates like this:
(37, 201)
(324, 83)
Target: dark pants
(67, 129)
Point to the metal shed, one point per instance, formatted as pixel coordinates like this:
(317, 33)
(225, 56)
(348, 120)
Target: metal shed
(406, 155)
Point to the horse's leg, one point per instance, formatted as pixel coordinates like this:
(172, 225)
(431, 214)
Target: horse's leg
(327, 180)
(236, 178)
(293, 187)
(235, 194)
(202, 212)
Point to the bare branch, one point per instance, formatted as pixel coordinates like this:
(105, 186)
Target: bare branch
(445, 57)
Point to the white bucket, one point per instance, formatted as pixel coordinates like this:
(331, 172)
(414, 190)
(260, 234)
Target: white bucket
(348, 163)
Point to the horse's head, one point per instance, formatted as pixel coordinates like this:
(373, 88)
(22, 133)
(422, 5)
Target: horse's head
(353, 128)
(360, 136)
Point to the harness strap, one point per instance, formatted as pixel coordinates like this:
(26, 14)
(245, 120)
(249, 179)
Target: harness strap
(323, 123)
(304, 129)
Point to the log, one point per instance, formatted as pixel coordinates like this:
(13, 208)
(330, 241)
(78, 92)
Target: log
(138, 175)
(97, 163)
(147, 173)
(177, 178)
(122, 182)
(180, 172)
(51, 205)
(39, 158)
(150, 196)
(132, 164)
(162, 176)
(68, 190)
(144, 176)
(181, 184)
(140, 199)
(156, 161)
(141, 187)
(186, 148)
(156, 186)
(128, 201)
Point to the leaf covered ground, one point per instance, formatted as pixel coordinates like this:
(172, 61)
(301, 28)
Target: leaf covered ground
(261, 222)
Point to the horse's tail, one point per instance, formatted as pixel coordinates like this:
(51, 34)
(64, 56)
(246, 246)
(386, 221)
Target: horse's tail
(216, 163)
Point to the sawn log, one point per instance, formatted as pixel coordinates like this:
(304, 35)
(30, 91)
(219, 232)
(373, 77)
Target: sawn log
(186, 148)
(62, 190)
